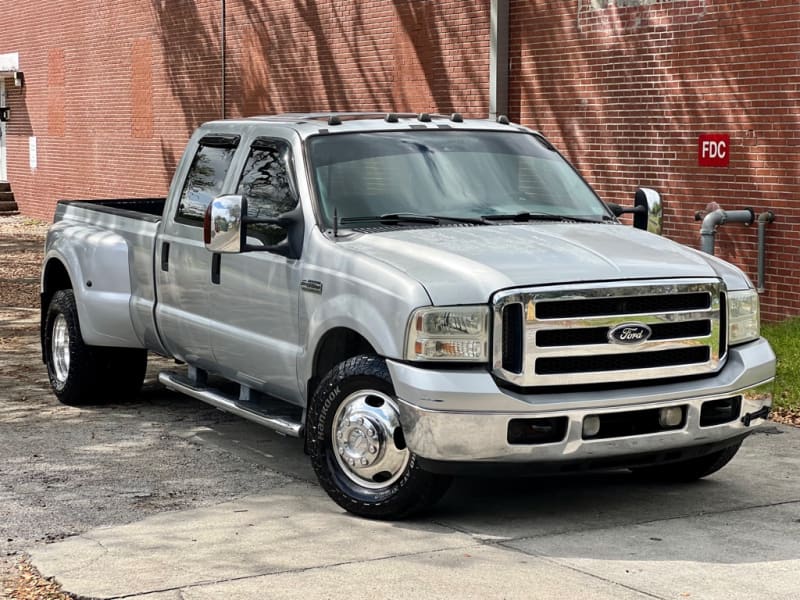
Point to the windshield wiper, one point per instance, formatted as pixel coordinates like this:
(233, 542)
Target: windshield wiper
(407, 217)
(524, 217)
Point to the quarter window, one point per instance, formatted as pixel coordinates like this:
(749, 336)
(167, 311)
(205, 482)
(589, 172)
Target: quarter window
(204, 180)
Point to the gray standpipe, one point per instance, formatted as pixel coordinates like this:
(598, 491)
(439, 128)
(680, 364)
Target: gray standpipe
(715, 218)
(765, 217)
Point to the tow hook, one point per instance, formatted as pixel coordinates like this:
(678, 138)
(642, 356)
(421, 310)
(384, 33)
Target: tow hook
(761, 413)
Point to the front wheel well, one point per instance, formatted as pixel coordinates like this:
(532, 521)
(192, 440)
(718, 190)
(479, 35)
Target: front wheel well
(337, 345)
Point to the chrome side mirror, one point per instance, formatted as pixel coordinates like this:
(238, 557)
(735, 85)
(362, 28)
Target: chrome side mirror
(226, 224)
(648, 212)
(222, 227)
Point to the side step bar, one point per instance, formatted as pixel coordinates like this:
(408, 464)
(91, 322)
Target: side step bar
(218, 399)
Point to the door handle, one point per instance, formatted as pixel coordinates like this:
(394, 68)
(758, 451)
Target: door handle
(216, 261)
(165, 256)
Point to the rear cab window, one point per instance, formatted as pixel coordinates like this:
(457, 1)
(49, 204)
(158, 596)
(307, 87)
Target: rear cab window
(205, 177)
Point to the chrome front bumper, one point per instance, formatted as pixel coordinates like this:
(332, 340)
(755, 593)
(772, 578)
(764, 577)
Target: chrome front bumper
(463, 416)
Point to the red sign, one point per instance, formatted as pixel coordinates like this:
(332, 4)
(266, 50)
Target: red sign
(714, 150)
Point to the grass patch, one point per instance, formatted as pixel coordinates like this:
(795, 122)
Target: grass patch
(785, 340)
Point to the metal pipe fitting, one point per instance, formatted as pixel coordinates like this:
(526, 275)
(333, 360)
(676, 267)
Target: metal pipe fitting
(715, 218)
(708, 230)
(765, 217)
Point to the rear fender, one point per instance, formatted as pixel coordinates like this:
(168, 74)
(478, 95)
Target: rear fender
(98, 265)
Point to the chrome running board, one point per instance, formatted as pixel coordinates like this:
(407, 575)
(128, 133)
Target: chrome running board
(249, 410)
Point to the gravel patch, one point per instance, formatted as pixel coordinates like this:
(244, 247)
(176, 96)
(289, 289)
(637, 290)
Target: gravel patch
(21, 251)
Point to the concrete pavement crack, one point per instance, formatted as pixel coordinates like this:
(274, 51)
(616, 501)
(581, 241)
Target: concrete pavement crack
(295, 570)
(93, 560)
(505, 543)
(613, 526)
(565, 565)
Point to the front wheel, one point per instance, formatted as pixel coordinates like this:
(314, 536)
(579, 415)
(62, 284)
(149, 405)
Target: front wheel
(689, 470)
(357, 446)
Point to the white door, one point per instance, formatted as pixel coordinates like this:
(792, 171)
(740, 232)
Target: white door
(3, 172)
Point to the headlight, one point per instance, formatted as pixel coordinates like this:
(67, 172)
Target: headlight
(744, 324)
(449, 333)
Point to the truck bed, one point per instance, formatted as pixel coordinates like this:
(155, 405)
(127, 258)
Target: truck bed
(148, 209)
(111, 243)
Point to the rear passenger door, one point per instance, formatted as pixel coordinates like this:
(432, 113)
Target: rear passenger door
(183, 265)
(256, 328)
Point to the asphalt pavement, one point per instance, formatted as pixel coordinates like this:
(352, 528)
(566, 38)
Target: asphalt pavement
(167, 498)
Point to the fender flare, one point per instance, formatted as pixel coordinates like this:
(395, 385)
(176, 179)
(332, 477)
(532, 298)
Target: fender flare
(96, 262)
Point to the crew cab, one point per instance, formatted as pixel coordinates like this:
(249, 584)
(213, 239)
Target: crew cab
(415, 296)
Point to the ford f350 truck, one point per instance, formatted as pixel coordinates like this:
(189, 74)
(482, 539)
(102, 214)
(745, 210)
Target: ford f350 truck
(414, 296)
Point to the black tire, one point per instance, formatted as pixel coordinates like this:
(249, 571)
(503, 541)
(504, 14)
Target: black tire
(411, 490)
(123, 370)
(689, 470)
(93, 374)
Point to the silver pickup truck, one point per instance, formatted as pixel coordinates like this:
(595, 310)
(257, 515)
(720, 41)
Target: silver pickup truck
(414, 296)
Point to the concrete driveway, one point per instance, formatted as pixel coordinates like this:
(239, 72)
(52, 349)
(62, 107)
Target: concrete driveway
(734, 535)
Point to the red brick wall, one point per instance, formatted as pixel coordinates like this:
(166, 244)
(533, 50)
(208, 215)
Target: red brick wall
(626, 91)
(402, 55)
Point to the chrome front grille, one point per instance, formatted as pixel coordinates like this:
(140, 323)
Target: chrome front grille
(560, 336)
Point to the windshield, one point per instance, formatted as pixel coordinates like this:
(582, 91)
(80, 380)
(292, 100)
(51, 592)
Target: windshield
(446, 173)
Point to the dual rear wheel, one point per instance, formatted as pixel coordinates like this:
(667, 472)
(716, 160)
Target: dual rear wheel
(81, 374)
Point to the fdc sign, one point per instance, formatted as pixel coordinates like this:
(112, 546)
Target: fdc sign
(714, 150)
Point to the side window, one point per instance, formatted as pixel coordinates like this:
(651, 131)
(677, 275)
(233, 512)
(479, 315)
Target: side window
(204, 180)
(268, 186)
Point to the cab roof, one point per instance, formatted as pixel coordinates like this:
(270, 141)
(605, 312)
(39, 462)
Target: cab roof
(307, 124)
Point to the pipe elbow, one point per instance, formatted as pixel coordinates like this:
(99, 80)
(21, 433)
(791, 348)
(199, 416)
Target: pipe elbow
(713, 220)
(766, 217)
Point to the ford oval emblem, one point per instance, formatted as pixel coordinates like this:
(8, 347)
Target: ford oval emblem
(629, 333)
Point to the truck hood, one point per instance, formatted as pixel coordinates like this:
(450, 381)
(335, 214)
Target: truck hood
(466, 265)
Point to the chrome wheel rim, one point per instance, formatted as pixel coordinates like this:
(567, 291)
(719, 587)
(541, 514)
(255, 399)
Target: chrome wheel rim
(59, 347)
(368, 441)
